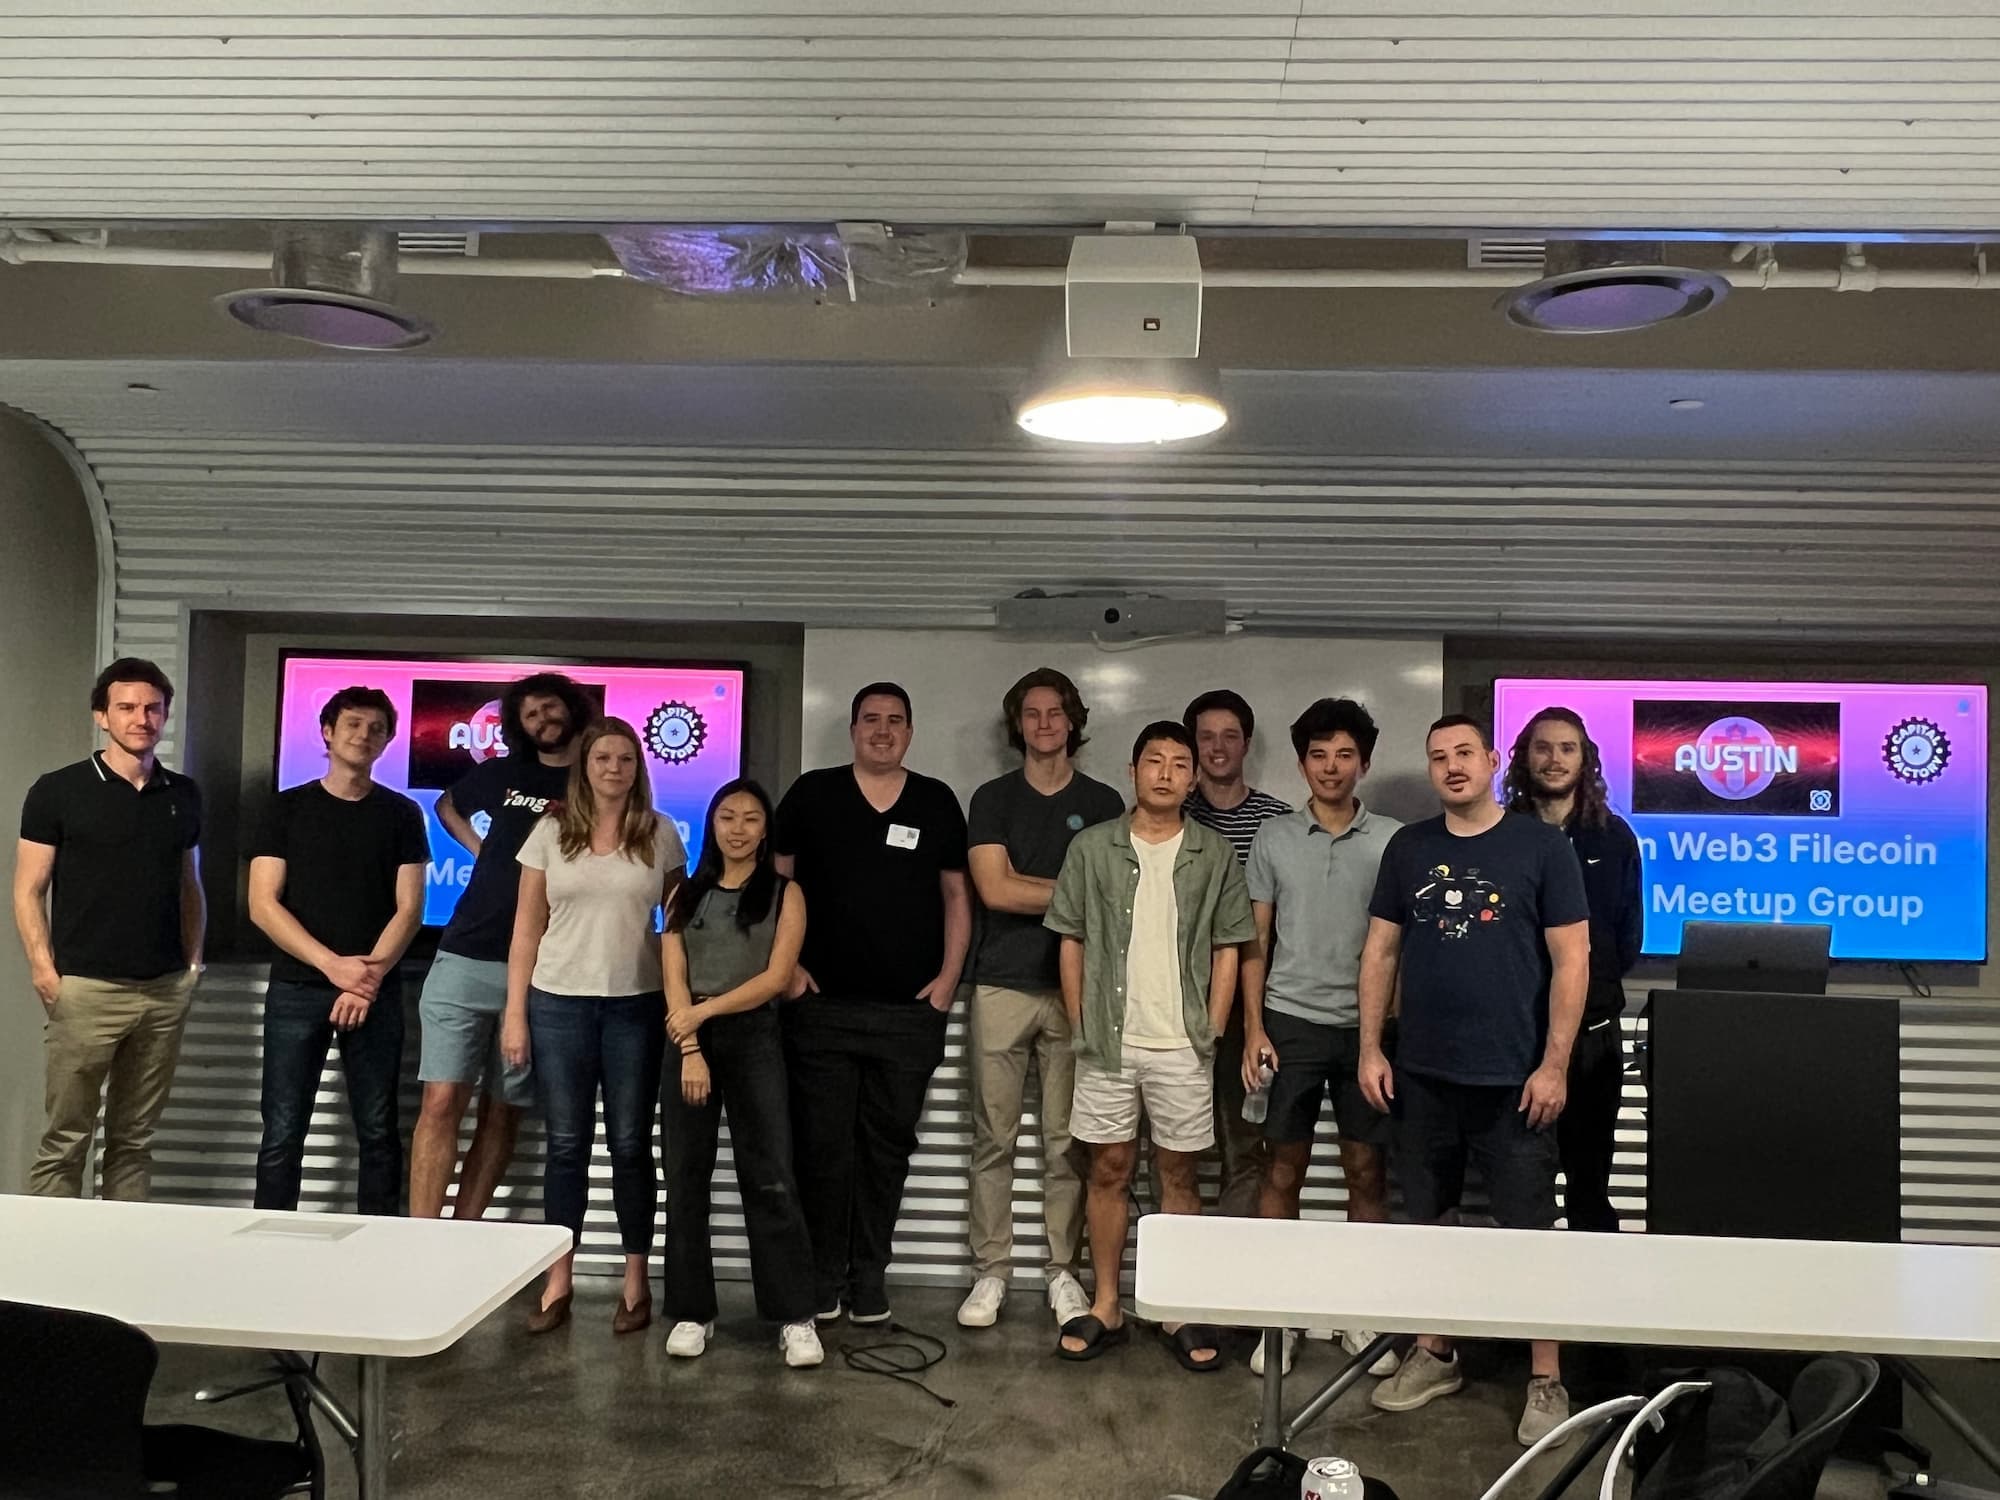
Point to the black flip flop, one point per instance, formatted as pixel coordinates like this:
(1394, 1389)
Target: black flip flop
(1183, 1341)
(1097, 1339)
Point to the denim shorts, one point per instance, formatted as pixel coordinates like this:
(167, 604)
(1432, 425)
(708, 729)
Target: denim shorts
(460, 1010)
(1441, 1124)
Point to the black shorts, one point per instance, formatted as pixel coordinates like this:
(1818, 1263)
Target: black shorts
(1439, 1124)
(1314, 1060)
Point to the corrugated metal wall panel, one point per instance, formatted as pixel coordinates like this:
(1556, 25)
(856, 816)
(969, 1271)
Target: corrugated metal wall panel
(1417, 113)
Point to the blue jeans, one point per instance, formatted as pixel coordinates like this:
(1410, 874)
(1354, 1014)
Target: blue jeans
(576, 1043)
(298, 1032)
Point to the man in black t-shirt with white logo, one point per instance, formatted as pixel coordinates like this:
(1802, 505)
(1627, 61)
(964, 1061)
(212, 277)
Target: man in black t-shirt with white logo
(465, 993)
(1484, 917)
(879, 852)
(337, 883)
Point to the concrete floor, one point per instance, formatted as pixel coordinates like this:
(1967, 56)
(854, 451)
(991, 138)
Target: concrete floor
(581, 1413)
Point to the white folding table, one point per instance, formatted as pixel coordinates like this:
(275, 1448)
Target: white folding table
(380, 1289)
(1675, 1290)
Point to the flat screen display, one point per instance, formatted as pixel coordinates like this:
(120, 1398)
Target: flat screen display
(1858, 805)
(689, 717)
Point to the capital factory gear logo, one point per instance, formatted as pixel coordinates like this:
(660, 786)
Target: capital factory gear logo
(675, 732)
(1916, 751)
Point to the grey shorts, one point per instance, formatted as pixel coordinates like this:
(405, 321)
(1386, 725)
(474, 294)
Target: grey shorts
(460, 1009)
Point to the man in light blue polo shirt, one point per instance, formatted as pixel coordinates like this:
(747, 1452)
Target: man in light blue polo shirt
(1311, 874)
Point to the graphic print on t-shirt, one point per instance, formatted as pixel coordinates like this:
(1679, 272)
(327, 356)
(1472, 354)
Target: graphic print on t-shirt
(1456, 904)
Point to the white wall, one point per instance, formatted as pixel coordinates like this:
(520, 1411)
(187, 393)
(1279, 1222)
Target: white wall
(956, 680)
(48, 619)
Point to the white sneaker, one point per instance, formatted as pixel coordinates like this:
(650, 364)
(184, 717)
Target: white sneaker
(1291, 1345)
(981, 1307)
(800, 1341)
(1384, 1367)
(689, 1340)
(1067, 1298)
(1422, 1379)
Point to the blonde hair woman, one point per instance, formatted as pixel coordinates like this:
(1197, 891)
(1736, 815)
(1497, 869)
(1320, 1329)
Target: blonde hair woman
(585, 998)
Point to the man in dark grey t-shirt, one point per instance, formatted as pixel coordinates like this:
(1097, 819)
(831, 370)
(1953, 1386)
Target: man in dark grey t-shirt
(1020, 829)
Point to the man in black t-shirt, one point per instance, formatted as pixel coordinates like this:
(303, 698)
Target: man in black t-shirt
(1555, 773)
(1019, 831)
(107, 897)
(337, 883)
(879, 852)
(1484, 917)
(491, 811)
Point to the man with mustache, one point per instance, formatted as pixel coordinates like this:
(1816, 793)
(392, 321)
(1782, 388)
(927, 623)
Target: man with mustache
(1556, 773)
(1484, 919)
(108, 901)
(465, 994)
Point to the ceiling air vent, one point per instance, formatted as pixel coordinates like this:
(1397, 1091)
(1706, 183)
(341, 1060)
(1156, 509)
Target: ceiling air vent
(1610, 286)
(427, 242)
(332, 286)
(1504, 255)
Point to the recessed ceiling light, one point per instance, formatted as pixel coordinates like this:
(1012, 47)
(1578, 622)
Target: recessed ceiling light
(1125, 403)
(1686, 403)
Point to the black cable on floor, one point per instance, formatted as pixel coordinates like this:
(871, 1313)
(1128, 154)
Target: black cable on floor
(902, 1359)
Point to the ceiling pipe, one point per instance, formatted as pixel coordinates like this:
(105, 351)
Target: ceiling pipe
(1847, 277)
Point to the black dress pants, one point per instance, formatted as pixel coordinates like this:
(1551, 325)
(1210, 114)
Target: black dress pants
(1586, 1131)
(858, 1070)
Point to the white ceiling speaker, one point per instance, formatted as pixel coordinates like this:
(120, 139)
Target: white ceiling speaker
(1610, 286)
(1125, 402)
(333, 286)
(1133, 296)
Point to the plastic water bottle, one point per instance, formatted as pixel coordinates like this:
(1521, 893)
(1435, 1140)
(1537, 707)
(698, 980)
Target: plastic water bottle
(1331, 1479)
(1257, 1103)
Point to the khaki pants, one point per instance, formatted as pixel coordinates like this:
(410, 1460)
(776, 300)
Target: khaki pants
(119, 1038)
(1007, 1028)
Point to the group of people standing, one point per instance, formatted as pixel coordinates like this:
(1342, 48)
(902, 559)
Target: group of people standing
(1159, 963)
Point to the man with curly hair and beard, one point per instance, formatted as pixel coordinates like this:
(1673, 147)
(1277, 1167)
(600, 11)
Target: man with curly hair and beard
(541, 719)
(1556, 773)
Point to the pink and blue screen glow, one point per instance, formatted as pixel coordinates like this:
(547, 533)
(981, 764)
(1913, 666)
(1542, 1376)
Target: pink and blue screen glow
(1858, 806)
(689, 718)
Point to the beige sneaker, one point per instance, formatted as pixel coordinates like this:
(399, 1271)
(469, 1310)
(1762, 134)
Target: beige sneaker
(1547, 1409)
(1422, 1379)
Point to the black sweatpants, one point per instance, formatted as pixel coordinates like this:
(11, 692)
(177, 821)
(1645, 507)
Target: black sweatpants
(1586, 1132)
(858, 1071)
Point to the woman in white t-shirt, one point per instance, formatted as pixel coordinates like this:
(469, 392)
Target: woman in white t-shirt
(585, 998)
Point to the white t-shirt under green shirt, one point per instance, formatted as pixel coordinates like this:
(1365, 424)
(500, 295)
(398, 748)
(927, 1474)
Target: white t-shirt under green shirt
(601, 938)
(1153, 1015)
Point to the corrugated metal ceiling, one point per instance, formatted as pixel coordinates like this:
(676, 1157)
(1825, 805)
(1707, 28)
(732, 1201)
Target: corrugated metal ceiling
(1692, 114)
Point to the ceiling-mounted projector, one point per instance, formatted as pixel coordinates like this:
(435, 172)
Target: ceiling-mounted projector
(1133, 296)
(1120, 617)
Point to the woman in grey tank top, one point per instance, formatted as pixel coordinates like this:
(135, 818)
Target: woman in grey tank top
(731, 946)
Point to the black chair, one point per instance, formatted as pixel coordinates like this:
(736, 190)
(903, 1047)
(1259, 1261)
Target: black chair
(73, 1422)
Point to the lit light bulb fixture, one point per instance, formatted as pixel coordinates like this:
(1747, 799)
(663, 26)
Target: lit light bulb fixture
(1107, 404)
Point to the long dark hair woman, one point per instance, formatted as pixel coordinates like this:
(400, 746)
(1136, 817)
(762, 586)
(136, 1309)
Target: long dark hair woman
(583, 997)
(731, 945)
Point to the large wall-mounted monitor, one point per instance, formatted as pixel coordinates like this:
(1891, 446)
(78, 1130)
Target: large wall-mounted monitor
(690, 718)
(1858, 805)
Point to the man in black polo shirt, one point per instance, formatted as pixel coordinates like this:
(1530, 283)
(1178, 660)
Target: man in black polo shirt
(880, 853)
(107, 897)
(337, 882)
(1556, 773)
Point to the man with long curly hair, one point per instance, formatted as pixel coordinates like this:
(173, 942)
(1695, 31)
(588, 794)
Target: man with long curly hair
(1556, 773)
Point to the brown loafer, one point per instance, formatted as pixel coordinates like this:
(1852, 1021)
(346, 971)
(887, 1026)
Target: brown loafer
(632, 1319)
(549, 1319)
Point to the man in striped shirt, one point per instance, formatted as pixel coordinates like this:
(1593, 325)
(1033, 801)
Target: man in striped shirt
(1222, 724)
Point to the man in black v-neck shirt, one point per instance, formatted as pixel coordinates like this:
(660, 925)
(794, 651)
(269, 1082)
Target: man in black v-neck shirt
(337, 883)
(107, 897)
(879, 853)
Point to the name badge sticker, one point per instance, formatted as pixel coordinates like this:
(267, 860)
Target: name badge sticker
(902, 836)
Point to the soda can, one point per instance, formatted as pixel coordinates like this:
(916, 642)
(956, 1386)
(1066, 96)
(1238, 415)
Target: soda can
(1331, 1479)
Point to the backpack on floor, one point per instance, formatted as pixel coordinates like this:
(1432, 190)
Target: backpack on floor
(1711, 1442)
(1274, 1474)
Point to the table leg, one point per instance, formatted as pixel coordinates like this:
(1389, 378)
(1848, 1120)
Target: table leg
(1981, 1445)
(1271, 1427)
(1350, 1374)
(372, 1452)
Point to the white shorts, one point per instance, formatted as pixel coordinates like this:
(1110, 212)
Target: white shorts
(1174, 1087)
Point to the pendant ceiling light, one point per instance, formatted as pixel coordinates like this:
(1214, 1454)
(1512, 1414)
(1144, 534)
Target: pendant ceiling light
(1125, 403)
(1610, 286)
(333, 285)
